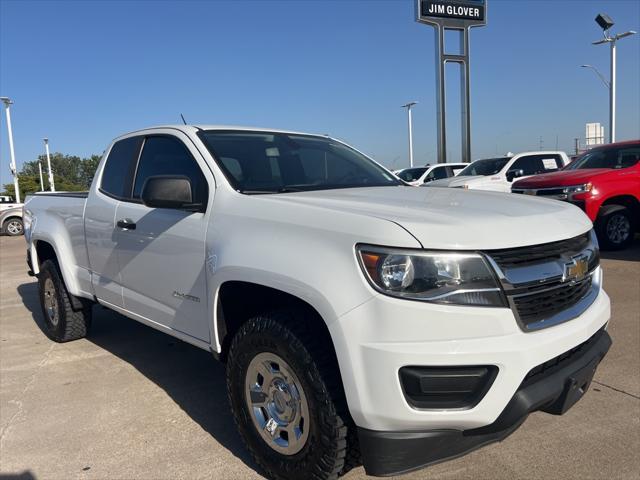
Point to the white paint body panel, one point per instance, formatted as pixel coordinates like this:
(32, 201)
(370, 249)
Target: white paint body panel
(304, 244)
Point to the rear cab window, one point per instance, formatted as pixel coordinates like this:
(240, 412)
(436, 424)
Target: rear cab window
(117, 174)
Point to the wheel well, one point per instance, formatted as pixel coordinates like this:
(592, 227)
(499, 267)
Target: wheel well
(628, 201)
(11, 218)
(45, 251)
(240, 301)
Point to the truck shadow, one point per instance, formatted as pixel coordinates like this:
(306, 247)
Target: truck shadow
(189, 375)
(630, 254)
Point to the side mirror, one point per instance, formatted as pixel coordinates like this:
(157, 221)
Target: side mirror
(168, 192)
(511, 174)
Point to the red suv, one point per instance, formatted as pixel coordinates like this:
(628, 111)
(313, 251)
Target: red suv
(605, 183)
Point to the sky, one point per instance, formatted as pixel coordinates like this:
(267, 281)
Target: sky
(84, 72)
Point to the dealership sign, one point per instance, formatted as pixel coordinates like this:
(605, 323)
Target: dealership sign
(457, 16)
(452, 13)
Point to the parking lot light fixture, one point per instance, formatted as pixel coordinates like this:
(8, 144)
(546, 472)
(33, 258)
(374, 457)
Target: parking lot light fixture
(408, 107)
(604, 80)
(606, 23)
(7, 108)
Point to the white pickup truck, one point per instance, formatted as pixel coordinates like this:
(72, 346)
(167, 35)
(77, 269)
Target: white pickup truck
(360, 319)
(497, 174)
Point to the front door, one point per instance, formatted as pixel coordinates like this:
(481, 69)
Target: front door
(161, 252)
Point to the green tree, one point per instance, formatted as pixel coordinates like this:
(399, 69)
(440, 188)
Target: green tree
(70, 173)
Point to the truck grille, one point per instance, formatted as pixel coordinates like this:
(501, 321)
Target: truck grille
(550, 283)
(544, 192)
(536, 306)
(522, 256)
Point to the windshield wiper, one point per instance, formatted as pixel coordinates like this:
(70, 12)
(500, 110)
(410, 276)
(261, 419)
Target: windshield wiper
(271, 191)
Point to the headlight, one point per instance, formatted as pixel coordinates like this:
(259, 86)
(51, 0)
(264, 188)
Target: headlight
(438, 277)
(575, 189)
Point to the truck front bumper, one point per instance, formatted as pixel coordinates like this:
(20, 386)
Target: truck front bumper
(552, 389)
(382, 336)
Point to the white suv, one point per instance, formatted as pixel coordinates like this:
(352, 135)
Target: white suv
(497, 174)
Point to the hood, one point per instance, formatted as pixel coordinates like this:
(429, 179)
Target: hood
(454, 218)
(562, 178)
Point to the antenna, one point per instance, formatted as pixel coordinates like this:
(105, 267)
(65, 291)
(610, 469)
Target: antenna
(183, 120)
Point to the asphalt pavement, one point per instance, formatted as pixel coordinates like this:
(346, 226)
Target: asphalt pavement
(129, 402)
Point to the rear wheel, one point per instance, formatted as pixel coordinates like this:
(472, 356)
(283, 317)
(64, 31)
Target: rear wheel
(13, 227)
(615, 227)
(62, 321)
(287, 399)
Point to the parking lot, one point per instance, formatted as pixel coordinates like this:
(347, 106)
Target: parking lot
(130, 402)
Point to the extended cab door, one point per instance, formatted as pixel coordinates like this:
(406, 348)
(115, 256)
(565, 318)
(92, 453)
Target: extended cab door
(113, 184)
(161, 251)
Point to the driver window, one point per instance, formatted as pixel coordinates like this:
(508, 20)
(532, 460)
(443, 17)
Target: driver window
(165, 155)
(437, 173)
(535, 164)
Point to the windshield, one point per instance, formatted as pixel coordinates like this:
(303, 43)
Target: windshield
(488, 166)
(411, 174)
(267, 162)
(607, 158)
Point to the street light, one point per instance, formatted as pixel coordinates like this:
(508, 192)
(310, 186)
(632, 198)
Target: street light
(7, 102)
(408, 107)
(52, 185)
(41, 180)
(606, 23)
(604, 80)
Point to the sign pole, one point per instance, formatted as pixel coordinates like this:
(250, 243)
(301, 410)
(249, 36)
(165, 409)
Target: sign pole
(460, 16)
(466, 100)
(441, 95)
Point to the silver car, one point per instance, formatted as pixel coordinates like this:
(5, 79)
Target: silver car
(11, 222)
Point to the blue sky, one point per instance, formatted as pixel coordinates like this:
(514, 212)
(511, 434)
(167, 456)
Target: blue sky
(82, 73)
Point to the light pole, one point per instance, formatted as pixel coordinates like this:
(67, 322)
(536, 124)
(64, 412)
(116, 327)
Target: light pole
(606, 23)
(52, 185)
(604, 80)
(7, 102)
(408, 107)
(41, 180)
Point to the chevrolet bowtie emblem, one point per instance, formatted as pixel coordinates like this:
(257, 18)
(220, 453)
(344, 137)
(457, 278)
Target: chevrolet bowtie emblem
(576, 269)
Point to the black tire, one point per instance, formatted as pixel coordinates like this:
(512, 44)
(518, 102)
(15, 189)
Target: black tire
(13, 227)
(63, 321)
(610, 221)
(330, 427)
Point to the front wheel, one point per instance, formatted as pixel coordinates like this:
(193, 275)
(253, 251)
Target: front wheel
(615, 227)
(13, 227)
(286, 397)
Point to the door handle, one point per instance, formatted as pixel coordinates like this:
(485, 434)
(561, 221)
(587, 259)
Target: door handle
(126, 224)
